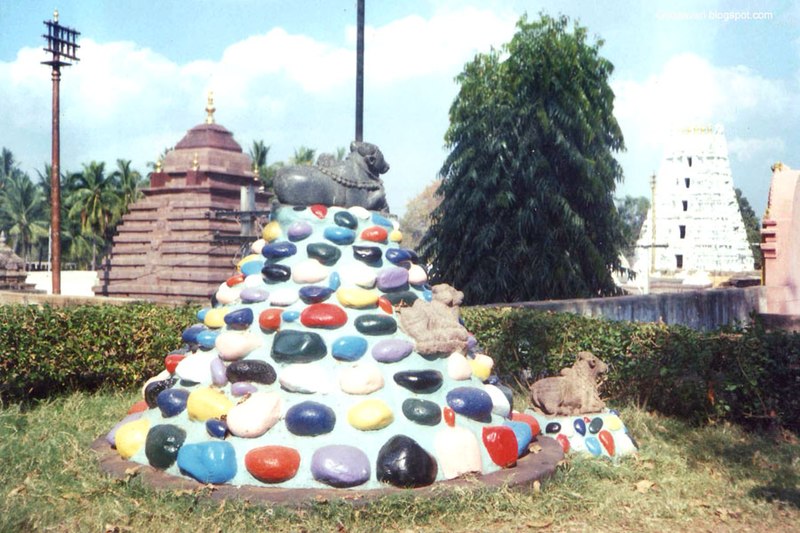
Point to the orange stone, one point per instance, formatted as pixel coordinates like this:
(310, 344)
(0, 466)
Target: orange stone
(235, 279)
(607, 440)
(319, 210)
(449, 417)
(323, 315)
(385, 305)
(375, 234)
(272, 464)
(563, 441)
(270, 319)
(171, 361)
(138, 407)
(528, 419)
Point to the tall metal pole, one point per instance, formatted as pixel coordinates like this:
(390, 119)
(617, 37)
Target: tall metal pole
(360, 73)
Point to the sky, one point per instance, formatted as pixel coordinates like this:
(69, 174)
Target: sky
(284, 72)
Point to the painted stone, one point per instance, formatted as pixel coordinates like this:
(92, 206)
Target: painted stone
(401, 255)
(269, 320)
(206, 339)
(297, 231)
(216, 428)
(205, 403)
(458, 451)
(290, 315)
(305, 378)
(283, 297)
(251, 295)
(171, 361)
(360, 379)
(334, 282)
(254, 280)
(339, 235)
(255, 415)
(417, 275)
(152, 389)
(279, 250)
(239, 318)
(522, 432)
(370, 255)
(471, 402)
(242, 388)
(395, 236)
(271, 231)
(172, 401)
(449, 416)
(501, 443)
(309, 419)
(385, 305)
(323, 315)
(381, 220)
(252, 370)
(293, 346)
(248, 269)
(201, 314)
(340, 466)
(215, 318)
(552, 427)
(580, 426)
(272, 464)
(372, 324)
(359, 212)
(233, 345)
(345, 219)
(208, 462)
(276, 273)
(563, 441)
(393, 279)
(392, 350)
(458, 367)
(218, 368)
(138, 407)
(247, 259)
(423, 412)
(358, 275)
(595, 425)
(500, 404)
(130, 417)
(226, 295)
(607, 440)
(325, 253)
(613, 423)
(481, 366)
(375, 234)
(402, 298)
(314, 294)
(419, 381)
(234, 280)
(309, 271)
(528, 419)
(593, 445)
(162, 445)
(356, 297)
(370, 414)
(130, 437)
(349, 348)
(402, 462)
(257, 246)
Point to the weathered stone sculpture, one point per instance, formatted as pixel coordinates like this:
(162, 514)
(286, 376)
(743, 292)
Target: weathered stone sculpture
(574, 392)
(353, 182)
(434, 325)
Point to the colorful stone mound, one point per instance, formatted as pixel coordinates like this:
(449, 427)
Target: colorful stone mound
(599, 434)
(299, 375)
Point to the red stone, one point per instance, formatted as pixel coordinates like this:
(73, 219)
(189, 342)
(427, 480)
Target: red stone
(323, 315)
(375, 234)
(528, 419)
(385, 305)
(171, 361)
(319, 210)
(501, 443)
(563, 441)
(235, 279)
(272, 464)
(270, 319)
(607, 440)
(138, 407)
(449, 417)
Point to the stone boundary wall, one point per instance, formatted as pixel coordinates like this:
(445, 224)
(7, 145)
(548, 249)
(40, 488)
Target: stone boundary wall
(702, 310)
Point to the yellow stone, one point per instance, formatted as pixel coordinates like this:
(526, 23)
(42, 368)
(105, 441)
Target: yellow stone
(356, 297)
(131, 436)
(370, 414)
(481, 366)
(251, 257)
(206, 403)
(396, 235)
(271, 231)
(613, 423)
(215, 318)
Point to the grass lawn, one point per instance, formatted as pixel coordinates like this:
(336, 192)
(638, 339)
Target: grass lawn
(712, 478)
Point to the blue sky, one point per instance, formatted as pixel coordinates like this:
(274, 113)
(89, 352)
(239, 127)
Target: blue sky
(284, 72)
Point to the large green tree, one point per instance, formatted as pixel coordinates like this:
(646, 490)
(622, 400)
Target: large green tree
(752, 226)
(23, 213)
(632, 212)
(417, 219)
(528, 187)
(128, 182)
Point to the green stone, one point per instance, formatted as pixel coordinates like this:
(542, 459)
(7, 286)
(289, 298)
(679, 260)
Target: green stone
(422, 412)
(401, 298)
(327, 254)
(292, 346)
(376, 324)
(162, 445)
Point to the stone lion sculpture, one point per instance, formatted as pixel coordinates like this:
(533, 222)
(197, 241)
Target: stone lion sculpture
(353, 182)
(574, 392)
(434, 325)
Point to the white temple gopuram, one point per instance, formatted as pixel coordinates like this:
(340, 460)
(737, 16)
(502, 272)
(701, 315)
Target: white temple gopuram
(694, 224)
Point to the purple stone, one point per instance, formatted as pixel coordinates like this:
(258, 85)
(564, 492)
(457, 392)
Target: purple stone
(251, 295)
(341, 466)
(240, 388)
(111, 437)
(391, 350)
(297, 231)
(392, 279)
(218, 372)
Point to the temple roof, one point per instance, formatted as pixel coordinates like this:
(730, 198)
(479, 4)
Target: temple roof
(209, 136)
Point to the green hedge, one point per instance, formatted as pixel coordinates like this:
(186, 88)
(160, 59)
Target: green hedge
(746, 375)
(46, 350)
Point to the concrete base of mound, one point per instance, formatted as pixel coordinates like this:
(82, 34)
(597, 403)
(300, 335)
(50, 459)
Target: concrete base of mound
(537, 465)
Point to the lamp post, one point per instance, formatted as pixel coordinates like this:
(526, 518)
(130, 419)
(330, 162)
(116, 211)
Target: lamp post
(61, 44)
(360, 72)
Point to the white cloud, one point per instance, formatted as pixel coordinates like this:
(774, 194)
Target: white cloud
(747, 149)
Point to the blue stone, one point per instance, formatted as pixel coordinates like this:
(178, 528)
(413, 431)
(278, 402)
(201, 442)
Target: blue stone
(339, 235)
(208, 462)
(279, 250)
(309, 419)
(427, 294)
(370, 255)
(189, 334)
(297, 231)
(595, 425)
(523, 433)
(239, 318)
(400, 255)
(201, 314)
(251, 295)
(422, 381)
(580, 426)
(325, 253)
(275, 273)
(392, 350)
(172, 401)
(340, 465)
(382, 221)
(314, 294)
(334, 281)
(552, 427)
(216, 428)
(207, 338)
(252, 267)
(593, 445)
(350, 348)
(293, 346)
(345, 220)
(290, 316)
(471, 402)
(373, 324)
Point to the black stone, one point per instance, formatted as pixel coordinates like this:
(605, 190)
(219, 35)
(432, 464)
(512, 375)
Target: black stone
(595, 425)
(345, 220)
(251, 370)
(420, 381)
(276, 273)
(403, 298)
(162, 445)
(367, 254)
(292, 346)
(325, 253)
(552, 427)
(152, 389)
(422, 412)
(375, 324)
(402, 462)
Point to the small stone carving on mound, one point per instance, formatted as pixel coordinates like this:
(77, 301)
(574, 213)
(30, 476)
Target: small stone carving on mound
(435, 325)
(353, 182)
(574, 392)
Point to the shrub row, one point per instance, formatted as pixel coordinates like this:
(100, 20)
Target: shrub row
(744, 375)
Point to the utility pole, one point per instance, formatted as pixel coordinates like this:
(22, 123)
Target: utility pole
(61, 44)
(360, 73)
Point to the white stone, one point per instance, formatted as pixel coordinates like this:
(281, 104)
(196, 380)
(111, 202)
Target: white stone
(253, 280)
(233, 345)
(500, 405)
(358, 274)
(458, 367)
(283, 297)
(457, 450)
(417, 275)
(196, 367)
(305, 378)
(257, 246)
(359, 212)
(309, 271)
(255, 415)
(361, 379)
(227, 295)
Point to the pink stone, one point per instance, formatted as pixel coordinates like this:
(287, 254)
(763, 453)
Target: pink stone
(323, 315)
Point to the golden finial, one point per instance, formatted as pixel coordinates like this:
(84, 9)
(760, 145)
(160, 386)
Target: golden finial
(777, 166)
(195, 163)
(55, 15)
(159, 163)
(210, 108)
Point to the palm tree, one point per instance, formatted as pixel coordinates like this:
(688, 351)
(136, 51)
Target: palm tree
(303, 156)
(23, 213)
(258, 153)
(128, 182)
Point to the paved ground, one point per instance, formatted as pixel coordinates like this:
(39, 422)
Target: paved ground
(73, 282)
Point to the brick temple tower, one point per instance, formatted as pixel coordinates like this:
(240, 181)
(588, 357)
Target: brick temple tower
(179, 242)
